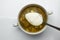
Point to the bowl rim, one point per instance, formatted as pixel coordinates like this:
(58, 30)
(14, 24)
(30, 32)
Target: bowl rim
(32, 33)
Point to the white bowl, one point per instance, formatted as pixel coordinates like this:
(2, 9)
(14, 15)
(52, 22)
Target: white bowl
(35, 33)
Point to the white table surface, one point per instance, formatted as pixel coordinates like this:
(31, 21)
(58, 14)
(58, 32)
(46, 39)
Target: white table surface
(9, 10)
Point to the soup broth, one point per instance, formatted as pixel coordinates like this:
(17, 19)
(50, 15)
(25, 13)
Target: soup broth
(25, 24)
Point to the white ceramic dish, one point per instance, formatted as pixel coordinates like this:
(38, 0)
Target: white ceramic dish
(19, 25)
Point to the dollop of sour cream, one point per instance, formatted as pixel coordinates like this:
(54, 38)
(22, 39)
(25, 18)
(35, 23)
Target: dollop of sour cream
(34, 18)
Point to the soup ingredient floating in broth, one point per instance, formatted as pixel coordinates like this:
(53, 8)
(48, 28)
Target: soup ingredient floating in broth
(34, 18)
